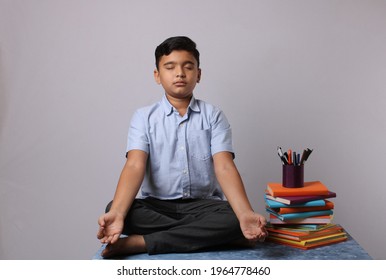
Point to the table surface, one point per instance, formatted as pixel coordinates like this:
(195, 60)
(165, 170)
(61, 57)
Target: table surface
(346, 250)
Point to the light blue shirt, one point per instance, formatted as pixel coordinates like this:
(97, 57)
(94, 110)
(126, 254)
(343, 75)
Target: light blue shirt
(180, 149)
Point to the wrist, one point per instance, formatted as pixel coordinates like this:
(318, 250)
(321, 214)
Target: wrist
(118, 213)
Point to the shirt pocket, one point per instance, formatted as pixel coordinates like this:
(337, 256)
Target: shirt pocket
(199, 144)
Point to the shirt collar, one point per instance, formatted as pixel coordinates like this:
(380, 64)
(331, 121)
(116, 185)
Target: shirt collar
(193, 105)
(168, 108)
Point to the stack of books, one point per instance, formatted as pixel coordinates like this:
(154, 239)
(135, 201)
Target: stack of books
(302, 217)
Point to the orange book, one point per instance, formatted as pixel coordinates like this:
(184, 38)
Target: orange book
(310, 188)
(300, 236)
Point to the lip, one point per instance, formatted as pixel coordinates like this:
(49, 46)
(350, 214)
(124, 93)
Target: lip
(180, 83)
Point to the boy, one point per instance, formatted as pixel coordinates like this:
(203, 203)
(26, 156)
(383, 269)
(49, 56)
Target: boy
(170, 195)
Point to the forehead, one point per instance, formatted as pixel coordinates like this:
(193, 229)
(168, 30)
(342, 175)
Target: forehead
(178, 57)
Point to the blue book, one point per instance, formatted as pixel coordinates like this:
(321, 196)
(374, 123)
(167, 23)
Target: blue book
(299, 215)
(276, 204)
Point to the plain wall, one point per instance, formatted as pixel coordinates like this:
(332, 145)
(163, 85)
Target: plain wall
(295, 74)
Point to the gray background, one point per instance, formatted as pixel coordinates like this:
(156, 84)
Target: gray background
(291, 73)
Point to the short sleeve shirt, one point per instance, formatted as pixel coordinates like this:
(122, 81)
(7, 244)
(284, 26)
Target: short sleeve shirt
(180, 149)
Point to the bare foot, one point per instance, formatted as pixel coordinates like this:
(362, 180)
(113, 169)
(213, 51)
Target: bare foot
(133, 244)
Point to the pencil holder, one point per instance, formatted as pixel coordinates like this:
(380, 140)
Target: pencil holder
(293, 176)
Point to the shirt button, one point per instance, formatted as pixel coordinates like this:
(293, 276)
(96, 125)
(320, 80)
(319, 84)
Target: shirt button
(182, 148)
(185, 171)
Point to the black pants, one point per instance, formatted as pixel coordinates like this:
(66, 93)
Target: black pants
(171, 226)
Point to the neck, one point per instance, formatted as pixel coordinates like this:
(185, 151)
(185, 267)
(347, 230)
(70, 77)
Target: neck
(180, 104)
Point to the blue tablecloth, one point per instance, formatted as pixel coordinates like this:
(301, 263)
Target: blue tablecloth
(347, 250)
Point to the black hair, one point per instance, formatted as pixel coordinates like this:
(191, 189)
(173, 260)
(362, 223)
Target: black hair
(179, 43)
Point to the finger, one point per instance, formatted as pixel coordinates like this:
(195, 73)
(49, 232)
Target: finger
(252, 236)
(263, 220)
(115, 238)
(100, 233)
(103, 239)
(264, 232)
(255, 238)
(101, 220)
(108, 239)
(263, 236)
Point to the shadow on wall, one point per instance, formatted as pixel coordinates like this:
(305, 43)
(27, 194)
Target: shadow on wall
(3, 112)
(3, 99)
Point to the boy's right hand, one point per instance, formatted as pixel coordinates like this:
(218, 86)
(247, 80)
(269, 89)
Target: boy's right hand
(110, 227)
(253, 226)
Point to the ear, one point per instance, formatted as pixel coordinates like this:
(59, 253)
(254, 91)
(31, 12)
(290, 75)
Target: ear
(199, 75)
(157, 77)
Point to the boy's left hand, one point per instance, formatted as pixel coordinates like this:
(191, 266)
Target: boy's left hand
(253, 226)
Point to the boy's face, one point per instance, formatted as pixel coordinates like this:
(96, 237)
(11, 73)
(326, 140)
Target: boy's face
(178, 73)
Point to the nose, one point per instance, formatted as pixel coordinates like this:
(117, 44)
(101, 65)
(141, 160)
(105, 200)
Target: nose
(180, 73)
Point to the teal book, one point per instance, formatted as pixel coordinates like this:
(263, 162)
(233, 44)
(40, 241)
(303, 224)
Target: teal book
(299, 215)
(276, 204)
